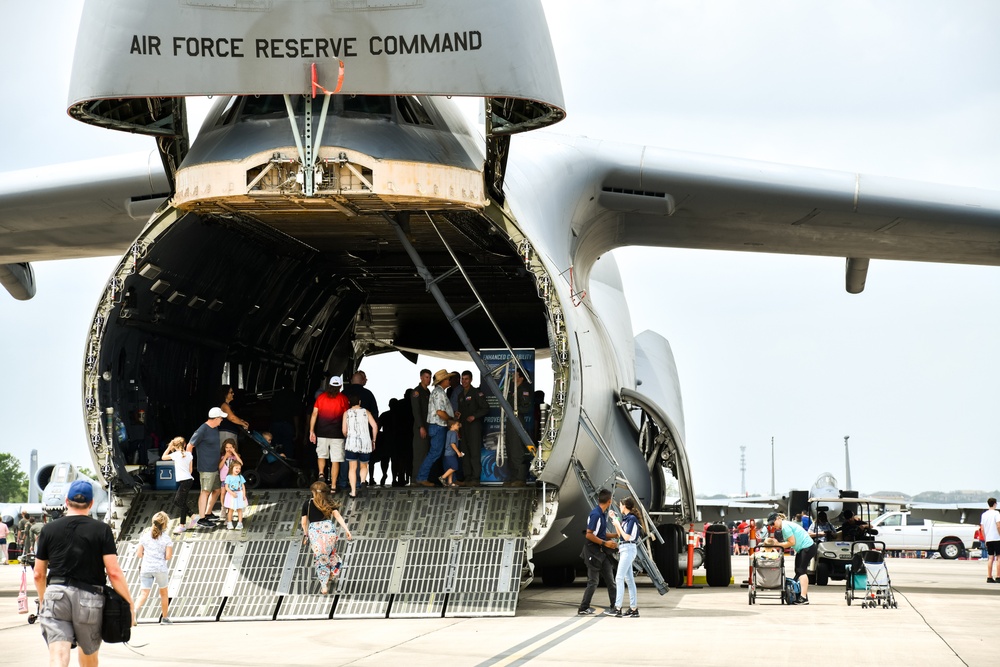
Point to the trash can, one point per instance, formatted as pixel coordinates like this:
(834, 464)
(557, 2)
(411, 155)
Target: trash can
(718, 550)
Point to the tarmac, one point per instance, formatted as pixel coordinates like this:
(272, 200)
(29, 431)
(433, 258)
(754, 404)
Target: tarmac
(945, 616)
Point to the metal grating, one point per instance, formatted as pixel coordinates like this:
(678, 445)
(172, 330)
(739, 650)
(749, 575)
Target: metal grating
(415, 553)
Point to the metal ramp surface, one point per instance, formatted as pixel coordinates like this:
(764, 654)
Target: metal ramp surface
(415, 553)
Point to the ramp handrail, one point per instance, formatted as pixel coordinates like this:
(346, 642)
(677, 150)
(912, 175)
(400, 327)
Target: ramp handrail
(643, 552)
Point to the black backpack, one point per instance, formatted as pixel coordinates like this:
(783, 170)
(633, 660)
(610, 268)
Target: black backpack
(116, 623)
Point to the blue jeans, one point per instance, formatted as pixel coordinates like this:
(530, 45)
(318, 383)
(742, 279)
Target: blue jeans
(436, 434)
(626, 554)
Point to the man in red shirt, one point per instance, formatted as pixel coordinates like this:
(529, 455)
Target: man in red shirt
(325, 429)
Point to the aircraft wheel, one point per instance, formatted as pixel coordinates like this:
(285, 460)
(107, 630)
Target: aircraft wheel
(666, 554)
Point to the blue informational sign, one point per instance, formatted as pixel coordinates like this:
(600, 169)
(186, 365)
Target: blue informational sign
(491, 424)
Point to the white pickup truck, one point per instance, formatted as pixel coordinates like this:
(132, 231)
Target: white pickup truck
(900, 531)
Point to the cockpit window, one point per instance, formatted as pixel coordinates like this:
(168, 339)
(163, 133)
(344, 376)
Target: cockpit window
(412, 111)
(350, 105)
(264, 105)
(369, 105)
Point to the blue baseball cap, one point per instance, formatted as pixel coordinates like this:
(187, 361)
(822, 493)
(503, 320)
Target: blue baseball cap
(80, 491)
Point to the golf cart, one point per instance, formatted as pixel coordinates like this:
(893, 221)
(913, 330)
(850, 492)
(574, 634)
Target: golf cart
(834, 555)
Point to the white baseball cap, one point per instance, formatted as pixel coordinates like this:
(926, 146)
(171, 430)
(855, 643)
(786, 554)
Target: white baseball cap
(336, 381)
(217, 413)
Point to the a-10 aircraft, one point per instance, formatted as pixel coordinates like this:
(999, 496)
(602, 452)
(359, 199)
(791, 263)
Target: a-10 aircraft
(53, 481)
(333, 184)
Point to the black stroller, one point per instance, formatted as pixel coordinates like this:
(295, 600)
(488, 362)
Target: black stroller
(273, 469)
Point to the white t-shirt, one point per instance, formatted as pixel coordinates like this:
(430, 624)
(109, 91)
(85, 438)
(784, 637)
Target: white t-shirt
(182, 465)
(989, 524)
(154, 552)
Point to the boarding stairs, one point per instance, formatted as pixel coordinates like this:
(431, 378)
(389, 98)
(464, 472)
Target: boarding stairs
(618, 481)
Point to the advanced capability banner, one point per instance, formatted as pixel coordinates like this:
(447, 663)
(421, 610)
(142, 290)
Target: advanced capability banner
(492, 422)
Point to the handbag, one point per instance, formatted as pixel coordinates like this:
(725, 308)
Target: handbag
(116, 621)
(22, 597)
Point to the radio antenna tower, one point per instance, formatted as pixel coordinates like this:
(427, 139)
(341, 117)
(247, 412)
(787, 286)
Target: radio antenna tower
(743, 470)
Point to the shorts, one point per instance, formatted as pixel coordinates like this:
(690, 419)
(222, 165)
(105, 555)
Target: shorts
(69, 614)
(210, 481)
(451, 461)
(993, 548)
(147, 579)
(803, 558)
(358, 456)
(330, 448)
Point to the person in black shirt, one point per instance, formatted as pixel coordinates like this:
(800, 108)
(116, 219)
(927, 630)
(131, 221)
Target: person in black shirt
(71, 559)
(318, 514)
(854, 528)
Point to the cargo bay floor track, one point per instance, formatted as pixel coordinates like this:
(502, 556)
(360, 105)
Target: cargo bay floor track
(415, 553)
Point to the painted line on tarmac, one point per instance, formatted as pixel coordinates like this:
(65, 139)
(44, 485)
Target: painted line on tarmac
(540, 643)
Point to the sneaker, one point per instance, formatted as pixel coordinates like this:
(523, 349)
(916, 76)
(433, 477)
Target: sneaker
(991, 580)
(205, 523)
(180, 529)
(212, 518)
(802, 600)
(585, 612)
(611, 611)
(632, 613)
(166, 621)
(239, 525)
(229, 525)
(619, 614)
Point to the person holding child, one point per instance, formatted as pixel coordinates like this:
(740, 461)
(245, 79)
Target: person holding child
(452, 454)
(236, 495)
(318, 514)
(628, 528)
(155, 551)
(359, 441)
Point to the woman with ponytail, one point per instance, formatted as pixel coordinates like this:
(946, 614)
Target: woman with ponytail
(630, 527)
(318, 515)
(155, 551)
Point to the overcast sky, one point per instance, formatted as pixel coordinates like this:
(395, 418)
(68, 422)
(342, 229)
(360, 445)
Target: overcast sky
(766, 346)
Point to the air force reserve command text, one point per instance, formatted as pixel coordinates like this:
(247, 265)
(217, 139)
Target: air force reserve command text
(303, 47)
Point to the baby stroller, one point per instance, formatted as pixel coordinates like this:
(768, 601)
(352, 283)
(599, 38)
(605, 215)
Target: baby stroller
(868, 577)
(272, 469)
(768, 578)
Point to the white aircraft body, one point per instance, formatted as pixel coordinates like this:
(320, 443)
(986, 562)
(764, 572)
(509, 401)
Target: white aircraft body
(299, 232)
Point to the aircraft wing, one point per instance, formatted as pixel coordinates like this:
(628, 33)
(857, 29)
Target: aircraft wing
(687, 200)
(91, 208)
(725, 509)
(948, 512)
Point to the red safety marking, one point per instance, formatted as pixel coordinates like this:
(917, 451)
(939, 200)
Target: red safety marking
(316, 84)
